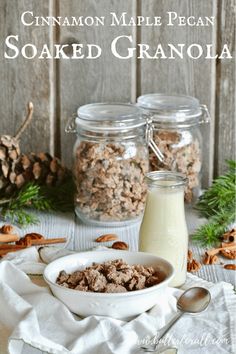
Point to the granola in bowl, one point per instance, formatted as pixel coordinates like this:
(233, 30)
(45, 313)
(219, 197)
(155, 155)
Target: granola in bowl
(121, 305)
(110, 277)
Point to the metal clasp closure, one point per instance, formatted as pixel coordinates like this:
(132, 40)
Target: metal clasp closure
(70, 125)
(206, 118)
(150, 141)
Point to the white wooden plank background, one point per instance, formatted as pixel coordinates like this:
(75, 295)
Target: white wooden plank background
(225, 89)
(22, 80)
(58, 87)
(85, 81)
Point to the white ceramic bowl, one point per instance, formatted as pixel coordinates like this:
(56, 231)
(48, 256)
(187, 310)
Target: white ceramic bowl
(117, 305)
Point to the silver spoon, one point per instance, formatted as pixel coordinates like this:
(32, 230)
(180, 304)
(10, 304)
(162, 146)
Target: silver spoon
(192, 301)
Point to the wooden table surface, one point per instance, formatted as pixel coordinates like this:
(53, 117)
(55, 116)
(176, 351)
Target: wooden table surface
(81, 237)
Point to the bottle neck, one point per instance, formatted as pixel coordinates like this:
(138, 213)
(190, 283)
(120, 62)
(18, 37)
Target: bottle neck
(166, 180)
(166, 193)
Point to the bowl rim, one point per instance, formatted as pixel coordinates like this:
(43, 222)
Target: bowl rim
(107, 295)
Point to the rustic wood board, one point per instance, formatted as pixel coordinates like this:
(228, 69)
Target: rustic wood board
(84, 81)
(25, 80)
(181, 76)
(57, 88)
(225, 93)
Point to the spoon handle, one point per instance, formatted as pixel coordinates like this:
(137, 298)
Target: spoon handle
(166, 328)
(160, 334)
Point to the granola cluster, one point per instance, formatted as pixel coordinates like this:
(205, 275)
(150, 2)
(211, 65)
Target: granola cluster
(182, 154)
(110, 277)
(110, 180)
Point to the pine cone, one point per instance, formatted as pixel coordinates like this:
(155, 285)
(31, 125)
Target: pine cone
(9, 157)
(41, 168)
(17, 169)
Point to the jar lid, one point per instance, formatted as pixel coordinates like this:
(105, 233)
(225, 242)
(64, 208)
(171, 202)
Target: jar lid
(109, 116)
(173, 109)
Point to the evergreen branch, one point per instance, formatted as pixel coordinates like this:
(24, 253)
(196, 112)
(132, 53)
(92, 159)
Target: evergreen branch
(210, 233)
(20, 217)
(41, 198)
(218, 205)
(220, 195)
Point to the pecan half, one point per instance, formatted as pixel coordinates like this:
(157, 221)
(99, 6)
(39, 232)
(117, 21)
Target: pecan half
(230, 266)
(227, 253)
(107, 238)
(28, 238)
(7, 229)
(120, 245)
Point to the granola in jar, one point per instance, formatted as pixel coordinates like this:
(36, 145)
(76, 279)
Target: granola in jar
(110, 187)
(110, 163)
(182, 153)
(175, 131)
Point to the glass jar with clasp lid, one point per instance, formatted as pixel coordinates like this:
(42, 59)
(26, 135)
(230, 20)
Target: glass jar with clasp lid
(110, 163)
(174, 128)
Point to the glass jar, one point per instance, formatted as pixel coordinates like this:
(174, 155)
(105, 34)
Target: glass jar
(175, 130)
(163, 230)
(110, 163)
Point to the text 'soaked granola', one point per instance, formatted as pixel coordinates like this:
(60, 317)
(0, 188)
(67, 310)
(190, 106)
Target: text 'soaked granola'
(182, 154)
(110, 277)
(110, 180)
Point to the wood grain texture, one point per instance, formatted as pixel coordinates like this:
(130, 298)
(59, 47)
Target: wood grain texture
(181, 76)
(25, 80)
(225, 93)
(84, 81)
(57, 88)
(81, 238)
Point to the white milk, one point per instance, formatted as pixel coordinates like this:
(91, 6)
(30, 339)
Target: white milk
(163, 230)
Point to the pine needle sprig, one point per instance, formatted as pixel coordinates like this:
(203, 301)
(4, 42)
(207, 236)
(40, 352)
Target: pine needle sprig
(220, 195)
(20, 217)
(16, 209)
(210, 233)
(218, 204)
(27, 197)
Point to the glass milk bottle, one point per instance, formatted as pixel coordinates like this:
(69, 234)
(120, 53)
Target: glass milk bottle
(163, 230)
